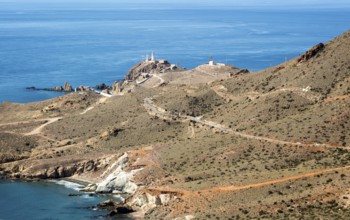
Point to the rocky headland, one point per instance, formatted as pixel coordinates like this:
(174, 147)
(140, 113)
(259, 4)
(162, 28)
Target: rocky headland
(214, 142)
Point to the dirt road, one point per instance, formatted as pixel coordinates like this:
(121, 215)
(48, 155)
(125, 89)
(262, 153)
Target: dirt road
(154, 109)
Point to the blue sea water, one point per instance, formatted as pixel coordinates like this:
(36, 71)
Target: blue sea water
(44, 201)
(45, 48)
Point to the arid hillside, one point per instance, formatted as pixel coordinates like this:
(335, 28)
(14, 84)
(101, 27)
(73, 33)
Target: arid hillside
(272, 144)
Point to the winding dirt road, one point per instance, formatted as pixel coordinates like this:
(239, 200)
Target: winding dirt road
(247, 186)
(160, 79)
(221, 91)
(266, 183)
(156, 110)
(41, 127)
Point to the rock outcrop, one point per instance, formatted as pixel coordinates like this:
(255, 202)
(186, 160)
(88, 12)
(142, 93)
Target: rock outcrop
(83, 89)
(311, 53)
(102, 86)
(67, 87)
(32, 169)
(117, 87)
(119, 181)
(240, 72)
(149, 67)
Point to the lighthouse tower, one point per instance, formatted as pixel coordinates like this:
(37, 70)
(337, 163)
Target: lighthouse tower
(152, 56)
(211, 61)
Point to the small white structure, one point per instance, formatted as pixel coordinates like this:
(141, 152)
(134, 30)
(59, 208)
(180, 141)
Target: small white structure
(148, 57)
(152, 56)
(211, 61)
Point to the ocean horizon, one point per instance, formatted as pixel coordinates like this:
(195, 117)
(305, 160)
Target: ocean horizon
(48, 47)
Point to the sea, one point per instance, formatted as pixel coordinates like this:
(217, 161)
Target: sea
(48, 200)
(86, 46)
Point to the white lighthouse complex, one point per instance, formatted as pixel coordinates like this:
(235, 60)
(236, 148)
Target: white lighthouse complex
(150, 59)
(213, 63)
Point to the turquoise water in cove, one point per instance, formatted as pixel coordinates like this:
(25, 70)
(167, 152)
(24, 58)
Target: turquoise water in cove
(46, 201)
(45, 48)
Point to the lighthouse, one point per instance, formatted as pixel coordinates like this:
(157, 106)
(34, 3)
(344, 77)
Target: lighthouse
(152, 56)
(211, 61)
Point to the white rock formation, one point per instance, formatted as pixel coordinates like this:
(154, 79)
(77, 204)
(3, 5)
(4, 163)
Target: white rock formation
(119, 180)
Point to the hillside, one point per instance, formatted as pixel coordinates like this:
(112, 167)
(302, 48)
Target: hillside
(208, 143)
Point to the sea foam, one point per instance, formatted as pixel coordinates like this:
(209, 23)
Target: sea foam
(67, 184)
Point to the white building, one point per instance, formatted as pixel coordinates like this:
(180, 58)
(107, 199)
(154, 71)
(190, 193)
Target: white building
(211, 61)
(148, 57)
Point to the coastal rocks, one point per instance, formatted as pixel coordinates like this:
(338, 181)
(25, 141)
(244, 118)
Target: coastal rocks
(311, 53)
(108, 204)
(115, 208)
(83, 89)
(124, 209)
(58, 89)
(67, 87)
(147, 202)
(102, 86)
(119, 180)
(89, 188)
(59, 172)
(34, 169)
